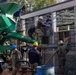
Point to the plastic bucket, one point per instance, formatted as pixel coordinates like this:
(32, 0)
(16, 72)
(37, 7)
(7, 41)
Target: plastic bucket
(45, 70)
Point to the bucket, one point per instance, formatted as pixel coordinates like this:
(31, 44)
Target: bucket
(45, 70)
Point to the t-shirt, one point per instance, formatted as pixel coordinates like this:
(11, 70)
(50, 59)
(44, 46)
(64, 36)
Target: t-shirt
(48, 21)
(18, 13)
(31, 30)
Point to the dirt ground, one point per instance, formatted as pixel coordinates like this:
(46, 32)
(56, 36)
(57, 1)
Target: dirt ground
(7, 72)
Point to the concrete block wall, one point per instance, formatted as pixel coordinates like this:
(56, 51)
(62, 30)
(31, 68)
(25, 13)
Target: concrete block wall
(72, 39)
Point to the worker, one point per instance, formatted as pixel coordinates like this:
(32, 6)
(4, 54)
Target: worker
(39, 30)
(16, 54)
(16, 57)
(62, 56)
(19, 12)
(8, 53)
(31, 31)
(1, 61)
(22, 51)
(8, 64)
(2, 55)
(34, 56)
(48, 29)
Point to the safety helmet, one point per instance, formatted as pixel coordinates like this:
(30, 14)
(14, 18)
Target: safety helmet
(41, 17)
(13, 47)
(1, 60)
(60, 42)
(35, 44)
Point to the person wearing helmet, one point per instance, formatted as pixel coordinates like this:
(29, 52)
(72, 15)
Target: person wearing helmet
(62, 56)
(16, 53)
(16, 57)
(13, 47)
(60, 42)
(39, 30)
(34, 56)
(35, 44)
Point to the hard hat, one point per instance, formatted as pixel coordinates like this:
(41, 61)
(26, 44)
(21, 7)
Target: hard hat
(13, 47)
(1, 60)
(60, 42)
(40, 17)
(35, 44)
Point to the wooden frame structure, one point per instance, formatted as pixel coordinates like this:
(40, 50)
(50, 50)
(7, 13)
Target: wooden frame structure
(53, 8)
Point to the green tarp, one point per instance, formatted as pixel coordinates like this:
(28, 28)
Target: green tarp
(4, 48)
(9, 8)
(6, 23)
(20, 37)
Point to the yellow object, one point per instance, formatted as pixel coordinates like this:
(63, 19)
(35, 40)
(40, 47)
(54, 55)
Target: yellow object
(35, 44)
(1, 52)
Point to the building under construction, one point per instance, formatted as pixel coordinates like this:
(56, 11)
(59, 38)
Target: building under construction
(63, 17)
(63, 23)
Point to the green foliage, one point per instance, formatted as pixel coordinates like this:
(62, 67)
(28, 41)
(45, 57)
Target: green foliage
(38, 4)
(33, 5)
